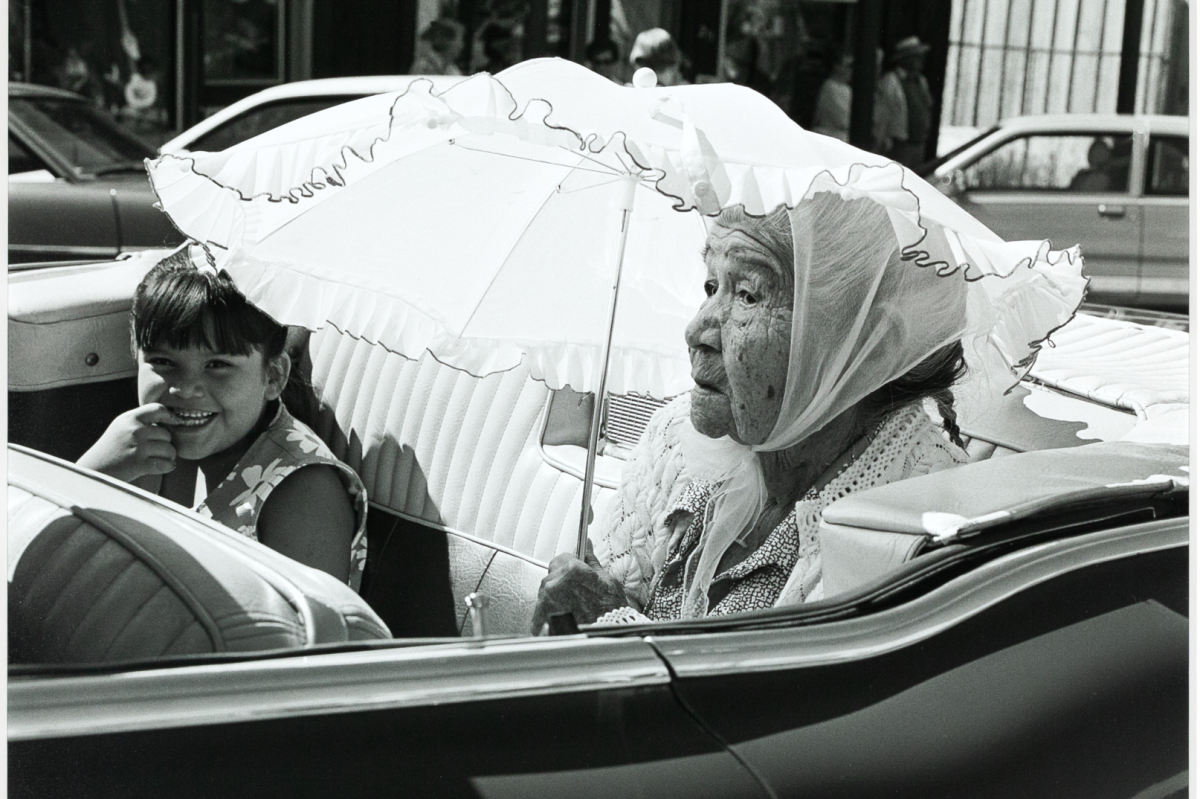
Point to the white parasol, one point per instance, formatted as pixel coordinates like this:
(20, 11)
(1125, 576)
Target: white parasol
(493, 224)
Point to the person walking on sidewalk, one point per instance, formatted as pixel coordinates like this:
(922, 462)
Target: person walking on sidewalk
(907, 105)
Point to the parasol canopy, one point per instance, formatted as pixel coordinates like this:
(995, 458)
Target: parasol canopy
(482, 224)
(548, 217)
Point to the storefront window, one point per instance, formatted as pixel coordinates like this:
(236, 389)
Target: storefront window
(117, 53)
(243, 50)
(243, 41)
(18, 18)
(784, 49)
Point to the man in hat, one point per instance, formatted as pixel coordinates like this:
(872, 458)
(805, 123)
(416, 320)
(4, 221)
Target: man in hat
(907, 105)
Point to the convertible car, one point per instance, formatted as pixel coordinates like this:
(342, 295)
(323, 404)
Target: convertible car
(1013, 627)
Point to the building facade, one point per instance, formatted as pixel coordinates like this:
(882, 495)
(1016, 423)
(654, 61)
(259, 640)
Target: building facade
(161, 65)
(1018, 57)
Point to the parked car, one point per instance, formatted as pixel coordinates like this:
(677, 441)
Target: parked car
(277, 105)
(77, 187)
(1116, 184)
(1013, 627)
(77, 184)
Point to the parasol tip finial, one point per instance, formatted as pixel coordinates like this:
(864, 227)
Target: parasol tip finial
(645, 78)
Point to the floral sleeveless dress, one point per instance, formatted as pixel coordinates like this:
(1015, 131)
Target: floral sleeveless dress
(285, 446)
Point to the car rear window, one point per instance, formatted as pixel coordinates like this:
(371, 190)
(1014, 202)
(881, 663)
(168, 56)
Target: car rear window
(1076, 162)
(1168, 172)
(258, 120)
(81, 135)
(20, 159)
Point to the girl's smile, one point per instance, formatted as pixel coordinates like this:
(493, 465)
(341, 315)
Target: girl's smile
(191, 418)
(216, 399)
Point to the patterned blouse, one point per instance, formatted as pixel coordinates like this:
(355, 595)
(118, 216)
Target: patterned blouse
(755, 582)
(285, 446)
(657, 519)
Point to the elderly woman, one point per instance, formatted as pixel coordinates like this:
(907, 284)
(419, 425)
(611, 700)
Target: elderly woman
(815, 356)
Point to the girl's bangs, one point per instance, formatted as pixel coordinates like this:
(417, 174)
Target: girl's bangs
(186, 310)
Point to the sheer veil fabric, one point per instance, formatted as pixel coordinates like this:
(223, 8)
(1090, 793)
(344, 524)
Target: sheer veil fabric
(862, 317)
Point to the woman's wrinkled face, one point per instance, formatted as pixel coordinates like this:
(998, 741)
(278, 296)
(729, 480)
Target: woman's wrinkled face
(740, 339)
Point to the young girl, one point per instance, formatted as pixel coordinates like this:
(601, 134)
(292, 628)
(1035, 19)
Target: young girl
(211, 371)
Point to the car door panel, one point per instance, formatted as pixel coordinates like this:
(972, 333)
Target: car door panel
(582, 719)
(60, 221)
(142, 225)
(1071, 188)
(1107, 227)
(1164, 273)
(1075, 687)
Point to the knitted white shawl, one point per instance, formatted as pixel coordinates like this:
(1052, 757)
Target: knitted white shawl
(634, 538)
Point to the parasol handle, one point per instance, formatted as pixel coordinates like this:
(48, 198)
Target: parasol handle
(589, 471)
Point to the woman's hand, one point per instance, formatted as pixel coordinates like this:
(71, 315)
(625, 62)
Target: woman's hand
(134, 445)
(582, 587)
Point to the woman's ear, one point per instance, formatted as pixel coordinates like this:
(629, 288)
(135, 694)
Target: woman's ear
(279, 369)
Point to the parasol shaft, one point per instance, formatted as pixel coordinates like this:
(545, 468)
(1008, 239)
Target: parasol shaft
(589, 471)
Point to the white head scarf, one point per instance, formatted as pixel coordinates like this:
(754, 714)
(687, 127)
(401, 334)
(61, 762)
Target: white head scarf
(861, 317)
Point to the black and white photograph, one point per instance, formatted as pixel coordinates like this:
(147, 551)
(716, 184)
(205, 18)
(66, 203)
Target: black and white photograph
(599, 398)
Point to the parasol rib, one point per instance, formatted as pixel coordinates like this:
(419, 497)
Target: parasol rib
(611, 172)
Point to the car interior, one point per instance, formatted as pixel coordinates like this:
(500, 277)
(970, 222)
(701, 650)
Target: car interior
(475, 484)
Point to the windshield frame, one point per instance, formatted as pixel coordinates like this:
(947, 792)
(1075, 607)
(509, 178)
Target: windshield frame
(927, 169)
(118, 150)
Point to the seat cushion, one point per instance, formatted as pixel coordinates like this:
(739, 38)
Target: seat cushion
(1117, 363)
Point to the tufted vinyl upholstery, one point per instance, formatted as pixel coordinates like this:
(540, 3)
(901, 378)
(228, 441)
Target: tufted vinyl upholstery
(108, 576)
(1116, 363)
(455, 453)
(1101, 380)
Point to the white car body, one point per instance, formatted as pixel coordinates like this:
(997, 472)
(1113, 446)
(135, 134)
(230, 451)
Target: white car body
(271, 107)
(1134, 236)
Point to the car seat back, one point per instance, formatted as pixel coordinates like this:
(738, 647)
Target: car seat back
(443, 451)
(99, 572)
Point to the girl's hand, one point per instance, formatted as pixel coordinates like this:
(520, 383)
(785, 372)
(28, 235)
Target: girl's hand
(134, 445)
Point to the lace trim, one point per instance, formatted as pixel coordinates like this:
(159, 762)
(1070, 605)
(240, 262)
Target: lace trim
(625, 615)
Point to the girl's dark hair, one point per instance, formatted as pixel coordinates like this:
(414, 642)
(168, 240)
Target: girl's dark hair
(932, 379)
(179, 306)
